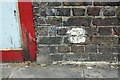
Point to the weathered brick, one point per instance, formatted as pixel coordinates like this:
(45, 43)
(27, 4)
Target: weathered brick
(66, 41)
(42, 31)
(62, 31)
(56, 57)
(91, 48)
(116, 31)
(52, 31)
(106, 21)
(72, 57)
(54, 4)
(35, 4)
(39, 12)
(79, 21)
(78, 11)
(77, 49)
(108, 46)
(118, 47)
(105, 31)
(77, 57)
(93, 11)
(63, 12)
(49, 21)
(63, 49)
(118, 57)
(57, 12)
(43, 50)
(43, 55)
(106, 3)
(108, 49)
(46, 49)
(105, 40)
(91, 31)
(53, 49)
(36, 11)
(118, 11)
(109, 12)
(103, 57)
(77, 3)
(118, 40)
(49, 40)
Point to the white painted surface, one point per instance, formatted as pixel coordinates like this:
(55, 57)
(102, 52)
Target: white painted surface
(9, 28)
(76, 35)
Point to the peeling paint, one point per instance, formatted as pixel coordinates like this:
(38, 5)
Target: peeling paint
(76, 35)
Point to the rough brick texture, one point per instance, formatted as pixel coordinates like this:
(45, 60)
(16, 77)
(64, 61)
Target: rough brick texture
(56, 24)
(78, 11)
(93, 11)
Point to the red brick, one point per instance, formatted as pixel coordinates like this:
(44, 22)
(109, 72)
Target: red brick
(93, 11)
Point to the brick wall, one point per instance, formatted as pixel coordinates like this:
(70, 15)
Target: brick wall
(58, 35)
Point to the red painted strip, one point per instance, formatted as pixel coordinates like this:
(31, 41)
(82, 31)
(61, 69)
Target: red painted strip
(12, 55)
(26, 19)
(29, 46)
